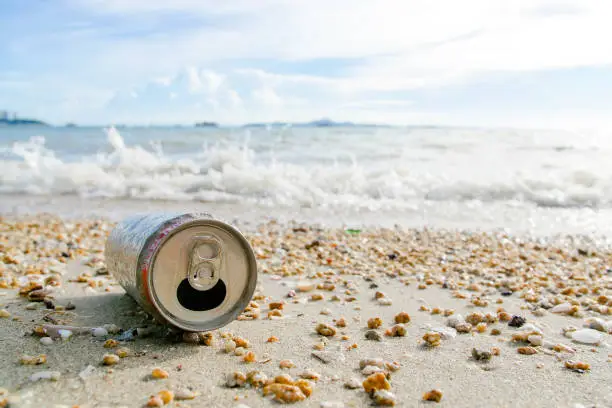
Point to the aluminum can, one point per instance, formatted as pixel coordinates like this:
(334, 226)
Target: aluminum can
(191, 271)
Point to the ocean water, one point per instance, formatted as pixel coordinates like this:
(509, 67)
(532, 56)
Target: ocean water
(502, 178)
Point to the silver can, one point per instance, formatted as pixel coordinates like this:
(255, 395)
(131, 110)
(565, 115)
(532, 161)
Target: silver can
(187, 270)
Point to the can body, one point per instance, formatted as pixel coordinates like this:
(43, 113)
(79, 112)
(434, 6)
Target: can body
(187, 270)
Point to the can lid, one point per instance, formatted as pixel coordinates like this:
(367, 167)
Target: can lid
(203, 275)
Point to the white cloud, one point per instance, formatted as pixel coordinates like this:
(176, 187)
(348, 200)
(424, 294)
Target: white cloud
(390, 45)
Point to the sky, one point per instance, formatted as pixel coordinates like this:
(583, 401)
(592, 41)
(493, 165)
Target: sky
(521, 63)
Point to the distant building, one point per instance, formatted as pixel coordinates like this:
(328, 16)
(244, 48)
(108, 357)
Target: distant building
(4, 115)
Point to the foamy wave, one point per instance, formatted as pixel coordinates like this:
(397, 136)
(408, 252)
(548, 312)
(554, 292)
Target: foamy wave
(234, 174)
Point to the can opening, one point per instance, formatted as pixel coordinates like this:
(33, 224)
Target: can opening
(200, 300)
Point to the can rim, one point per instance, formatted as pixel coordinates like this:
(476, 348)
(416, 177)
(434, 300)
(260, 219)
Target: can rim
(238, 308)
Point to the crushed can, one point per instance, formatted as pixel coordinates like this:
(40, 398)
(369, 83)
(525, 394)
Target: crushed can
(190, 271)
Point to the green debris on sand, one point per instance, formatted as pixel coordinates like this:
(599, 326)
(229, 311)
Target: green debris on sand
(352, 231)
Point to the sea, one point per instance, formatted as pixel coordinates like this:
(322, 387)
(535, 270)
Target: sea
(516, 180)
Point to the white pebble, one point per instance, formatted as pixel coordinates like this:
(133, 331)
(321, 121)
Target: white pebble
(446, 333)
(384, 395)
(47, 341)
(46, 375)
(352, 383)
(535, 340)
(305, 286)
(453, 321)
(587, 336)
(385, 301)
(99, 332)
(561, 308)
(242, 406)
(596, 323)
(368, 370)
(326, 312)
(64, 334)
(230, 345)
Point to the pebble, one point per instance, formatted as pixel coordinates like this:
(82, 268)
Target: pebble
(402, 317)
(184, 394)
(463, 327)
(99, 332)
(455, 320)
(598, 324)
(398, 330)
(433, 339)
(535, 339)
(310, 375)
(373, 335)
(587, 336)
(526, 350)
(110, 359)
(325, 330)
(236, 379)
(376, 362)
(517, 321)
(578, 366)
(352, 383)
(284, 393)
(4, 314)
(384, 398)
(47, 341)
(376, 382)
(374, 323)
(447, 333)
(166, 396)
(433, 395)
(385, 301)
(286, 364)
(368, 370)
(229, 346)
(64, 334)
(159, 373)
(562, 308)
(305, 286)
(46, 375)
(479, 355)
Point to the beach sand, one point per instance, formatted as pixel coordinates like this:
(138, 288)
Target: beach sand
(426, 274)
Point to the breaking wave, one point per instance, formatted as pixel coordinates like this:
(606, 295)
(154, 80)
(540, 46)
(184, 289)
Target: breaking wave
(236, 173)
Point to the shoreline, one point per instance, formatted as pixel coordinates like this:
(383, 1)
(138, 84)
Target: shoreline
(426, 273)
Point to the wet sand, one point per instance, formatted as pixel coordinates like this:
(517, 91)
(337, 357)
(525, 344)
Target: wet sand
(426, 274)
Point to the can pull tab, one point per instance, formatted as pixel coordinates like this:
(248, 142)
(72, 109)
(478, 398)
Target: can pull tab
(204, 262)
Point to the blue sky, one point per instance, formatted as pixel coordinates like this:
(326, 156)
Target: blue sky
(524, 63)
